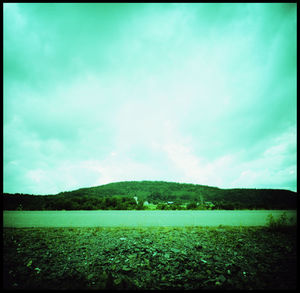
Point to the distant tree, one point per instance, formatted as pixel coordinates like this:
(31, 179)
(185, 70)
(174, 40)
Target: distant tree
(68, 204)
(176, 206)
(162, 206)
(155, 197)
(19, 208)
(140, 205)
(184, 196)
(191, 206)
(75, 206)
(110, 202)
(225, 205)
(87, 206)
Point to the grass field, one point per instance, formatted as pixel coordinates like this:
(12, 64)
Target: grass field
(114, 218)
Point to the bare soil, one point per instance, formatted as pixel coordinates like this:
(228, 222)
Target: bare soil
(149, 258)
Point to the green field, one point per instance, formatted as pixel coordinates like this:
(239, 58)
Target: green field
(20, 219)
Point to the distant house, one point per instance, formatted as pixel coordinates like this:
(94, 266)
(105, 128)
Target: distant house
(170, 202)
(146, 203)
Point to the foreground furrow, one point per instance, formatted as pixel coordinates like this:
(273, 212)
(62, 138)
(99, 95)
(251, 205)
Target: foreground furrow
(149, 258)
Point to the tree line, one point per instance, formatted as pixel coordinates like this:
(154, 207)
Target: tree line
(163, 195)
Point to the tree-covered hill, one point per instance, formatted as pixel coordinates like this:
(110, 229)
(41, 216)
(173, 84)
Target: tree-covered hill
(163, 195)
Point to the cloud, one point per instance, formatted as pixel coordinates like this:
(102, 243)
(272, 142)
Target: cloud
(275, 166)
(208, 96)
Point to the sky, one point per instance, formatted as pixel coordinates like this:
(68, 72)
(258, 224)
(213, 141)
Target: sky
(201, 93)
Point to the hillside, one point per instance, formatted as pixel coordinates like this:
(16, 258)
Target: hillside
(164, 195)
